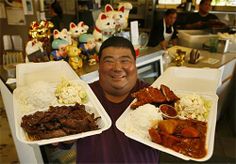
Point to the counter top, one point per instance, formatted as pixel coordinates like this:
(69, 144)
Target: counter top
(207, 59)
(148, 54)
(88, 71)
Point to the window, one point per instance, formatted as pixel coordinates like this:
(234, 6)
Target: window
(221, 2)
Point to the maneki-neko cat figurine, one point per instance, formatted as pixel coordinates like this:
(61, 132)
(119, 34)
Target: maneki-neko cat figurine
(104, 28)
(35, 52)
(118, 16)
(77, 30)
(41, 32)
(61, 40)
(62, 35)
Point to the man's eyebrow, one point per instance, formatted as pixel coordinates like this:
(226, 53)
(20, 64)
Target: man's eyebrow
(126, 56)
(121, 57)
(107, 57)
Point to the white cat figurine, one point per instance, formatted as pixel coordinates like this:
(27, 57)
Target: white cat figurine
(64, 35)
(77, 30)
(118, 16)
(128, 6)
(35, 48)
(104, 28)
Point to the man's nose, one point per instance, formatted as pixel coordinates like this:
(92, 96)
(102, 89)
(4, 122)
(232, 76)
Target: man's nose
(117, 65)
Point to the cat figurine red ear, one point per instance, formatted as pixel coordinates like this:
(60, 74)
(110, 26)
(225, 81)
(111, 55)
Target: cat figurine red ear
(108, 8)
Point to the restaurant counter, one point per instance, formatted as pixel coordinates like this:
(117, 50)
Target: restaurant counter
(148, 57)
(224, 62)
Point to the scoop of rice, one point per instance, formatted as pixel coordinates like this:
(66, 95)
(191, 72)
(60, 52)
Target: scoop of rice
(36, 96)
(141, 119)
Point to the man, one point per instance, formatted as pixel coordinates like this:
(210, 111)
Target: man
(117, 80)
(164, 31)
(56, 15)
(203, 19)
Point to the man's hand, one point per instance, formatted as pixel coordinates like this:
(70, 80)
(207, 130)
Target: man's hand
(164, 44)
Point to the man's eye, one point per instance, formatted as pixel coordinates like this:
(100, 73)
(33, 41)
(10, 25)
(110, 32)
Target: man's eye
(125, 61)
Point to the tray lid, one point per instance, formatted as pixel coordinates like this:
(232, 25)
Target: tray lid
(200, 80)
(53, 71)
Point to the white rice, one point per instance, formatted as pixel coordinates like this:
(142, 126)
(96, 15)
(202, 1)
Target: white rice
(140, 120)
(37, 96)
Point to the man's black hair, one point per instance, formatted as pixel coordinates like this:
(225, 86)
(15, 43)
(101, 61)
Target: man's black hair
(119, 42)
(170, 11)
(203, 1)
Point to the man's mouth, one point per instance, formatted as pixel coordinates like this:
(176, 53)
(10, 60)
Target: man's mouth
(118, 77)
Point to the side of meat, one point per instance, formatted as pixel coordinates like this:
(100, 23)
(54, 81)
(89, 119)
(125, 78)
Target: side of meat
(148, 95)
(167, 126)
(58, 121)
(170, 96)
(184, 136)
(153, 95)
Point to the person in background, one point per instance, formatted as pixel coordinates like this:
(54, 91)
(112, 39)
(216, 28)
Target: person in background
(164, 31)
(203, 19)
(117, 81)
(56, 13)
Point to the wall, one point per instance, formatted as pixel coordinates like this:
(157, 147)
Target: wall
(21, 30)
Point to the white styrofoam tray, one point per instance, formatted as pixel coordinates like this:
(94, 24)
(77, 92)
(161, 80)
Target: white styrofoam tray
(92, 106)
(168, 78)
(53, 71)
(194, 38)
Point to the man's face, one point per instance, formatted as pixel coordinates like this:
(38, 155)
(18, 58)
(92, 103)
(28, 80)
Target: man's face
(117, 71)
(170, 19)
(205, 7)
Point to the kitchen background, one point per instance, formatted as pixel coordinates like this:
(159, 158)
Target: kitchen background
(145, 11)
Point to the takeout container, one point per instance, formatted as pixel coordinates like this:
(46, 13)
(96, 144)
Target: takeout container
(184, 80)
(194, 38)
(53, 72)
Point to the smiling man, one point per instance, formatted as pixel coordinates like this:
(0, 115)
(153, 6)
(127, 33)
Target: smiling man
(117, 80)
(117, 72)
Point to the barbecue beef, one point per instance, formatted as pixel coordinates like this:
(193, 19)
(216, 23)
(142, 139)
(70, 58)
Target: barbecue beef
(58, 122)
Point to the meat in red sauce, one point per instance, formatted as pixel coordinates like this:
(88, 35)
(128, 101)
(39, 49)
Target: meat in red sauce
(187, 137)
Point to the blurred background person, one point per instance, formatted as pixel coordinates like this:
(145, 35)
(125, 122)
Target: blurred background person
(56, 13)
(164, 31)
(203, 19)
